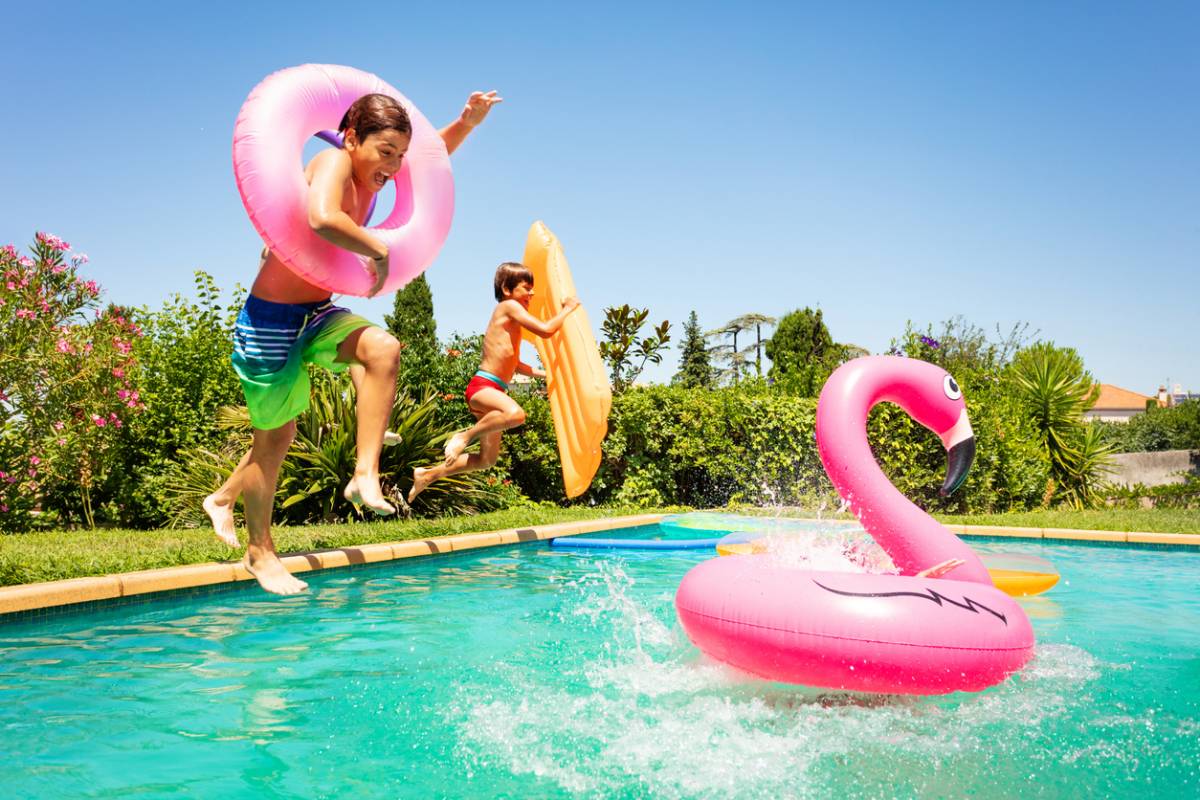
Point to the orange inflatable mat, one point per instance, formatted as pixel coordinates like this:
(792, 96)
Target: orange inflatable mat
(580, 396)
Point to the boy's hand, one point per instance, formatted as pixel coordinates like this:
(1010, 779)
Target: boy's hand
(377, 268)
(477, 107)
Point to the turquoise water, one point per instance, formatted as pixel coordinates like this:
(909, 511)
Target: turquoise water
(526, 672)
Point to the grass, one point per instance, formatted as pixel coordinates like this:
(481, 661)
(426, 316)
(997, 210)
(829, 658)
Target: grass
(57, 555)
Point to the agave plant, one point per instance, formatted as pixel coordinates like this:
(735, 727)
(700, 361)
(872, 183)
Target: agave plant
(1057, 390)
(321, 461)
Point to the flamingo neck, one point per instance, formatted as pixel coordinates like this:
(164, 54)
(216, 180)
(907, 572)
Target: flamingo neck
(913, 539)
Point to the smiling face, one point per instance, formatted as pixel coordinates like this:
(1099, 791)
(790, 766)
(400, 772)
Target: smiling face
(522, 293)
(377, 158)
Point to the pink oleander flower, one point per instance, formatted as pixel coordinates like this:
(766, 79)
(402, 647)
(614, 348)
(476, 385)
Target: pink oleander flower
(32, 473)
(92, 288)
(3, 508)
(12, 286)
(79, 258)
(50, 240)
(123, 394)
(87, 347)
(10, 251)
(122, 346)
(25, 261)
(134, 395)
(59, 269)
(34, 460)
(58, 426)
(63, 346)
(45, 307)
(118, 372)
(99, 420)
(25, 313)
(62, 442)
(3, 475)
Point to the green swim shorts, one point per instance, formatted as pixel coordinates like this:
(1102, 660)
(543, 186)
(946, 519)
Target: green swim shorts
(272, 345)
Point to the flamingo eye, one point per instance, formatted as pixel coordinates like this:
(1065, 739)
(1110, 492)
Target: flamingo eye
(950, 387)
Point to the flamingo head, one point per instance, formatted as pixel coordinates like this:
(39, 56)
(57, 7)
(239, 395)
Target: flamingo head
(933, 398)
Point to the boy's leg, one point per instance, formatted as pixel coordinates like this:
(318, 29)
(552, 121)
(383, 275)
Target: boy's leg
(219, 504)
(489, 451)
(357, 374)
(495, 410)
(258, 489)
(379, 354)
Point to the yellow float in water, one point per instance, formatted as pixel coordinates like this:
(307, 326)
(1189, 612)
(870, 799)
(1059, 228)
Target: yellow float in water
(1016, 575)
(580, 396)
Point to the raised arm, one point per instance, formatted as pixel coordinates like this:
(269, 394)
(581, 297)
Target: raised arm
(543, 328)
(474, 112)
(331, 173)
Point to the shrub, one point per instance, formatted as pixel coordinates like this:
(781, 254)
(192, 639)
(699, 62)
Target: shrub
(1175, 428)
(65, 387)
(755, 444)
(321, 461)
(185, 378)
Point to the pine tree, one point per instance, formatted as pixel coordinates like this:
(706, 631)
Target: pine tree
(412, 323)
(695, 370)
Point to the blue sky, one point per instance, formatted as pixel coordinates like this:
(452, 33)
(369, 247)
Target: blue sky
(887, 162)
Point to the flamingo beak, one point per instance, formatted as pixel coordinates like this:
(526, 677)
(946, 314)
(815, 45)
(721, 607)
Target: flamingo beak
(959, 442)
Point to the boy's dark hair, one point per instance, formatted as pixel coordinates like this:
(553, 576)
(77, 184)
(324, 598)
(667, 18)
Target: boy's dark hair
(509, 276)
(372, 113)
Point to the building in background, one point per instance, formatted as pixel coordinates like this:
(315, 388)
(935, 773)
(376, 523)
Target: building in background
(1118, 405)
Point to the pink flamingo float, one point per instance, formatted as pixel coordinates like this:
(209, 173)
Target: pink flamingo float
(910, 633)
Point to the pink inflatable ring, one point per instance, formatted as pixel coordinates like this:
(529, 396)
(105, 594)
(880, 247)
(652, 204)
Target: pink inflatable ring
(276, 121)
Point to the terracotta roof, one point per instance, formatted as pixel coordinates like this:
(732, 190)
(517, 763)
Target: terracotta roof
(1114, 398)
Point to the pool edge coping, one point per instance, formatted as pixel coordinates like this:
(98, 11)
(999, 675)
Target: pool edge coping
(27, 597)
(50, 594)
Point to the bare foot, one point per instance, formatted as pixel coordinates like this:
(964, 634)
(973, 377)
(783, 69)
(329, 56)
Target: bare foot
(272, 575)
(391, 439)
(938, 570)
(454, 448)
(366, 492)
(222, 520)
(421, 480)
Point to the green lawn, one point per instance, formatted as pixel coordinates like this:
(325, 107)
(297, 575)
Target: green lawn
(55, 555)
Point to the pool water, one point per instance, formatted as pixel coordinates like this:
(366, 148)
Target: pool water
(530, 672)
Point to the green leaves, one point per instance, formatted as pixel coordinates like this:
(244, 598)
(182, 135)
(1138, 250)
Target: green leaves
(622, 348)
(321, 461)
(1056, 390)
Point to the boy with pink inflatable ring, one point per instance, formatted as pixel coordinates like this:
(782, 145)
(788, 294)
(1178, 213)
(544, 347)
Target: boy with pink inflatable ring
(289, 322)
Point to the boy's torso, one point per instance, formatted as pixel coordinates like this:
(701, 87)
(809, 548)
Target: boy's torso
(278, 284)
(501, 345)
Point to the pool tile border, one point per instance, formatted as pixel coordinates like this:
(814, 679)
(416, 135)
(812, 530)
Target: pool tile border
(86, 592)
(1073, 534)
(78, 591)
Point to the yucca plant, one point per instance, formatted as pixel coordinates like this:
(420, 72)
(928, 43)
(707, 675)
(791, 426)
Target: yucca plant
(1057, 390)
(321, 461)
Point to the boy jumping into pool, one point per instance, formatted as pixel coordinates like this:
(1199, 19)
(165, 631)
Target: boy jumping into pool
(288, 323)
(487, 392)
